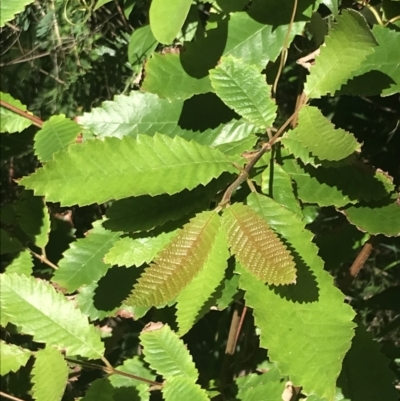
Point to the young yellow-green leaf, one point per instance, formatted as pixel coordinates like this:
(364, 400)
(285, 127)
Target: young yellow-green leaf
(189, 308)
(21, 264)
(376, 218)
(129, 251)
(49, 375)
(311, 317)
(141, 44)
(319, 136)
(98, 171)
(166, 353)
(257, 247)
(347, 45)
(167, 18)
(12, 357)
(11, 122)
(33, 217)
(83, 262)
(244, 89)
(56, 134)
(166, 77)
(37, 309)
(183, 389)
(178, 263)
(276, 183)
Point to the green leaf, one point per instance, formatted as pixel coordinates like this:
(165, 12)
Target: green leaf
(376, 218)
(56, 134)
(166, 353)
(11, 122)
(8, 9)
(138, 113)
(319, 136)
(379, 73)
(166, 77)
(276, 183)
(100, 390)
(136, 251)
(167, 18)
(366, 375)
(83, 261)
(141, 45)
(9, 244)
(349, 42)
(257, 247)
(335, 186)
(178, 263)
(333, 6)
(310, 317)
(130, 167)
(33, 217)
(189, 308)
(100, 3)
(183, 389)
(12, 357)
(237, 148)
(37, 309)
(49, 375)
(243, 88)
(21, 264)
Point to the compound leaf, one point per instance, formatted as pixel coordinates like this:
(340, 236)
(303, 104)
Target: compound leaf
(12, 357)
(347, 45)
(139, 112)
(11, 122)
(376, 218)
(203, 285)
(129, 251)
(167, 18)
(83, 262)
(49, 375)
(98, 171)
(37, 309)
(166, 353)
(56, 134)
(183, 389)
(178, 263)
(319, 136)
(243, 88)
(257, 247)
(166, 77)
(311, 316)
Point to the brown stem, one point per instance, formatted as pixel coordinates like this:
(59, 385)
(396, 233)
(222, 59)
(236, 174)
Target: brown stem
(35, 120)
(10, 397)
(43, 259)
(243, 176)
(142, 379)
(362, 257)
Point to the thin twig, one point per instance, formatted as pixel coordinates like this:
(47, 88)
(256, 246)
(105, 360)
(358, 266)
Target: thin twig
(10, 397)
(44, 259)
(362, 257)
(285, 48)
(35, 120)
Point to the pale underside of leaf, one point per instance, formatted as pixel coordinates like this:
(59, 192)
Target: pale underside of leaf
(318, 134)
(166, 353)
(203, 285)
(37, 309)
(178, 263)
(49, 375)
(257, 247)
(243, 88)
(346, 47)
(98, 171)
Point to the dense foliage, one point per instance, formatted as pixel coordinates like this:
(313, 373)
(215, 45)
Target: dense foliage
(200, 200)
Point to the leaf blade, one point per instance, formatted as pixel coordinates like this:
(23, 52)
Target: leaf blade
(12, 357)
